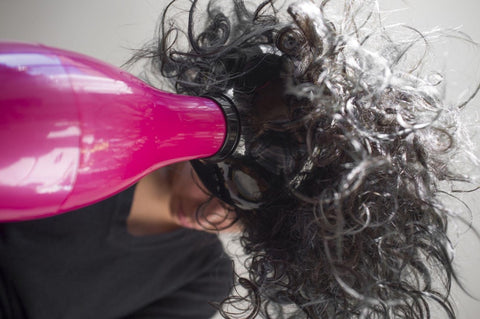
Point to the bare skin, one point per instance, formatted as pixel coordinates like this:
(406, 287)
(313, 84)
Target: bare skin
(169, 198)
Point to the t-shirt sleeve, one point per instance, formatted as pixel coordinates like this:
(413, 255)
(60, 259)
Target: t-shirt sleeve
(193, 301)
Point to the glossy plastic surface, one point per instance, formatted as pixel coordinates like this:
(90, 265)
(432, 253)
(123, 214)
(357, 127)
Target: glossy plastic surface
(74, 130)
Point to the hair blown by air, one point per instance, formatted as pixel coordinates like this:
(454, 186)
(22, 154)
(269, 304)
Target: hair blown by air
(357, 230)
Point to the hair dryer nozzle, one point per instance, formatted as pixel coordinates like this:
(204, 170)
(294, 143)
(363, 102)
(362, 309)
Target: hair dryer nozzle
(232, 126)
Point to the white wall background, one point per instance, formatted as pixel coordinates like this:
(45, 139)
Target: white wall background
(107, 29)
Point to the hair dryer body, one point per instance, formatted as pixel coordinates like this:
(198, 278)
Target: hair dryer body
(74, 130)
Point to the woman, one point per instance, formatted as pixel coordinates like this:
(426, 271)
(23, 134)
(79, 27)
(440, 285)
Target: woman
(334, 184)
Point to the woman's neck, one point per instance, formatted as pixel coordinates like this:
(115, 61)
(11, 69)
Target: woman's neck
(150, 212)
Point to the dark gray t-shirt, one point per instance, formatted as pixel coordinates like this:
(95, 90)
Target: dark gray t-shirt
(84, 264)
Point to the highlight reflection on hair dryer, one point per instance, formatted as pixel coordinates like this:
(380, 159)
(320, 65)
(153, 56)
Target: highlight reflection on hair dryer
(74, 130)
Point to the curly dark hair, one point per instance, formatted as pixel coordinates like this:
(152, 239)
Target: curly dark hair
(360, 231)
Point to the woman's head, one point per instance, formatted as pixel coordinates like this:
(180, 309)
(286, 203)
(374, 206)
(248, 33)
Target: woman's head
(335, 175)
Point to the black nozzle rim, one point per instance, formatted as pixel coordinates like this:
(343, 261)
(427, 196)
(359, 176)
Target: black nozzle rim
(232, 134)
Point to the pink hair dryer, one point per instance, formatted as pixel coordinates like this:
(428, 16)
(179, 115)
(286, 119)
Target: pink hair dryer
(74, 130)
